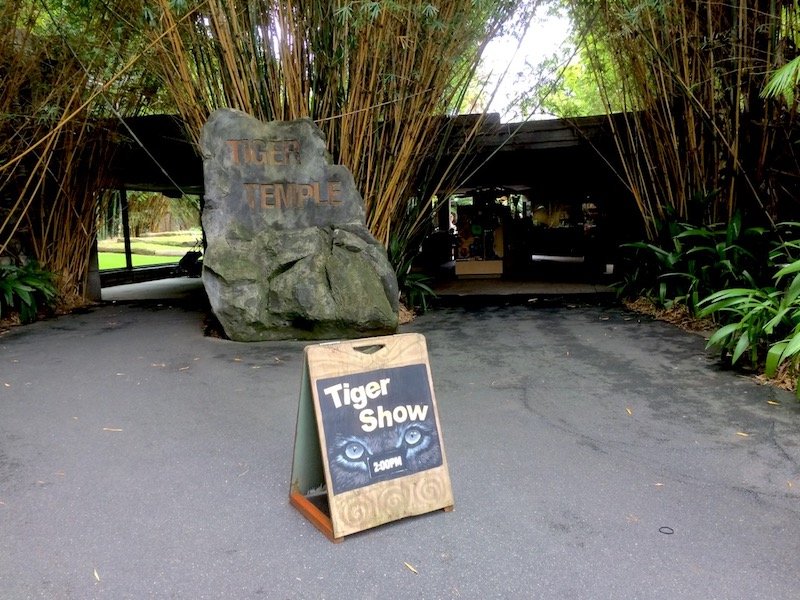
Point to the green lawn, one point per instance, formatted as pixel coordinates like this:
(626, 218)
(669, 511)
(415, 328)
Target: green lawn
(115, 260)
(147, 250)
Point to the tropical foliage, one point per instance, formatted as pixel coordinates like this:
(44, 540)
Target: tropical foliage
(761, 323)
(403, 250)
(25, 291)
(746, 279)
(415, 288)
(686, 263)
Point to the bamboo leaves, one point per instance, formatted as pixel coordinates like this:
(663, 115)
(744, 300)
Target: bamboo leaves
(783, 82)
(373, 74)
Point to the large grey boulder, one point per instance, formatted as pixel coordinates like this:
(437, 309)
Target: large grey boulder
(288, 253)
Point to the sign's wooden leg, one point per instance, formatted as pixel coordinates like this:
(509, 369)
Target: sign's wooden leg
(318, 518)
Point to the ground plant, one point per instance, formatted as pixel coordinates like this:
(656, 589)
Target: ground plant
(415, 286)
(753, 316)
(686, 262)
(746, 280)
(24, 291)
(760, 324)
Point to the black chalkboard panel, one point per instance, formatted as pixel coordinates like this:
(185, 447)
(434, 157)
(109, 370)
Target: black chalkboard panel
(378, 425)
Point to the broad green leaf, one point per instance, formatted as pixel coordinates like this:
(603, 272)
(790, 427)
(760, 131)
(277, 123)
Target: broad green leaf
(774, 358)
(792, 347)
(731, 293)
(793, 267)
(696, 232)
(734, 227)
(793, 291)
(25, 296)
(776, 320)
(719, 337)
(736, 300)
(742, 345)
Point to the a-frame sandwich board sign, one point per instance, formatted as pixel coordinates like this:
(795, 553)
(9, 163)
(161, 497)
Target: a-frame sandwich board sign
(368, 445)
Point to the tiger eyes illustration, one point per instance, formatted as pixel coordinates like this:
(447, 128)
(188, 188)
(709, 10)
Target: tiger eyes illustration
(354, 451)
(352, 454)
(412, 436)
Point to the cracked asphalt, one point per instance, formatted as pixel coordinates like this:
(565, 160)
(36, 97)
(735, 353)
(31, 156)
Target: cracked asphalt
(593, 454)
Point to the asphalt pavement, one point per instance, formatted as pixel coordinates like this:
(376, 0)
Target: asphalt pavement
(593, 454)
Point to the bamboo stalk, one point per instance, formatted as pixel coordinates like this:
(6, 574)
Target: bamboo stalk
(694, 68)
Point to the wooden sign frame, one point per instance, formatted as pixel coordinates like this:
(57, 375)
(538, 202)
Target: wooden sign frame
(368, 445)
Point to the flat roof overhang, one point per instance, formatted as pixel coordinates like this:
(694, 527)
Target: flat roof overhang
(156, 153)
